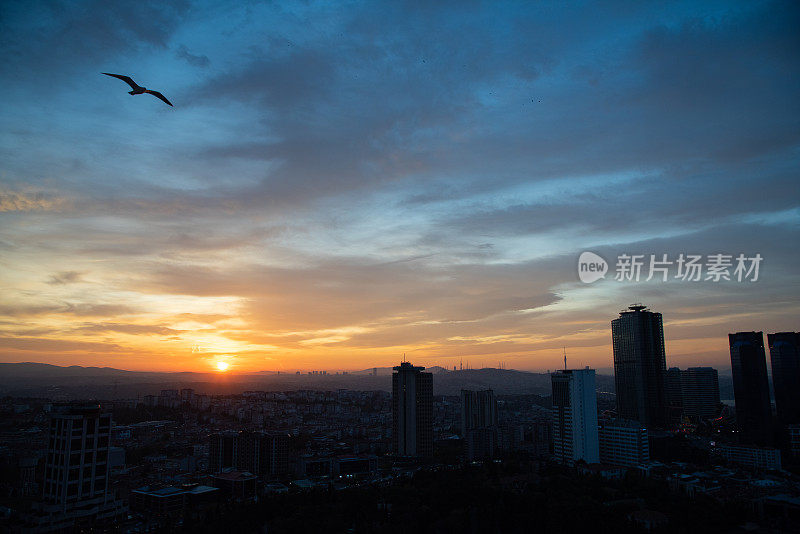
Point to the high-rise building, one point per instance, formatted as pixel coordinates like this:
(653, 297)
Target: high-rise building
(623, 442)
(700, 392)
(478, 409)
(784, 352)
(76, 486)
(751, 387)
(412, 411)
(639, 365)
(261, 453)
(575, 416)
(673, 396)
(479, 423)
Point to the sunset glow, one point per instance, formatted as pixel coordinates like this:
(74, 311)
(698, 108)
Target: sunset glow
(333, 189)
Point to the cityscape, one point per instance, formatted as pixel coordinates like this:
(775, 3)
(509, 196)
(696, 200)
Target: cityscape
(399, 267)
(184, 460)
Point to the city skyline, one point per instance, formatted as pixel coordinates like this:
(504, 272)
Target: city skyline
(337, 186)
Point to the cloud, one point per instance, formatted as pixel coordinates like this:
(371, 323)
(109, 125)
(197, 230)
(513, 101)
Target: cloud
(11, 201)
(65, 277)
(55, 345)
(59, 36)
(132, 329)
(195, 61)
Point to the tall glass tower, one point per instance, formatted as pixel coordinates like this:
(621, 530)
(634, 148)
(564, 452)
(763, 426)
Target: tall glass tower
(784, 352)
(639, 365)
(751, 387)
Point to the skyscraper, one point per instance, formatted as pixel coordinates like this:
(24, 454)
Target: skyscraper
(700, 392)
(479, 423)
(412, 411)
(575, 434)
(76, 477)
(784, 352)
(751, 386)
(639, 365)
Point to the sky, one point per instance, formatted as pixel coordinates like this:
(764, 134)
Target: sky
(342, 183)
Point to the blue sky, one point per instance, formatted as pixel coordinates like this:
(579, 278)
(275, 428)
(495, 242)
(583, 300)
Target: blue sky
(340, 183)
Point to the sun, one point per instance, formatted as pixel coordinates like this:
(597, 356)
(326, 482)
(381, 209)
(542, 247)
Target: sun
(222, 366)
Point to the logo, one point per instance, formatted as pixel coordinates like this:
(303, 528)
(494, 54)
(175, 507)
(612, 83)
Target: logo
(591, 267)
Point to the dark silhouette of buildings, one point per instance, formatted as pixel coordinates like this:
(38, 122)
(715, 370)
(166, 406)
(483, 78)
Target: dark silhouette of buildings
(784, 353)
(575, 435)
(639, 365)
(412, 411)
(751, 387)
(237, 485)
(172, 502)
(479, 423)
(262, 453)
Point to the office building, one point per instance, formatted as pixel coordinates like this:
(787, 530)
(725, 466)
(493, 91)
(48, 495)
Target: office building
(262, 453)
(623, 442)
(575, 434)
(412, 411)
(479, 424)
(784, 353)
(757, 458)
(673, 396)
(76, 488)
(751, 387)
(640, 365)
(700, 392)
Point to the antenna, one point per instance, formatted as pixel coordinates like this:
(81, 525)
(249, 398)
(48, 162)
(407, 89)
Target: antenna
(565, 358)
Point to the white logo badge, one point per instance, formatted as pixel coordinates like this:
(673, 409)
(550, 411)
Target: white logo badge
(591, 267)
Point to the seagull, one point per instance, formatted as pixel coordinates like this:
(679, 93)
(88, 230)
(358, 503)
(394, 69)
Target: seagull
(137, 90)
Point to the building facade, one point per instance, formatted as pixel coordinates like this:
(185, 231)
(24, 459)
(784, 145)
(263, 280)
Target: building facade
(673, 396)
(751, 387)
(575, 416)
(479, 428)
(757, 458)
(623, 442)
(700, 392)
(262, 453)
(76, 489)
(412, 411)
(640, 365)
(784, 354)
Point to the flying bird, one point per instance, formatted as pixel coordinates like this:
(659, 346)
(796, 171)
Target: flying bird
(138, 90)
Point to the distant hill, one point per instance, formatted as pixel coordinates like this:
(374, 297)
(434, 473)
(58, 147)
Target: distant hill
(52, 381)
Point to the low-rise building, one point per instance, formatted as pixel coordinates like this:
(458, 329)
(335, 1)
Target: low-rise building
(623, 442)
(751, 457)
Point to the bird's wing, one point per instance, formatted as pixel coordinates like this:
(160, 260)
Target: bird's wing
(159, 96)
(126, 79)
